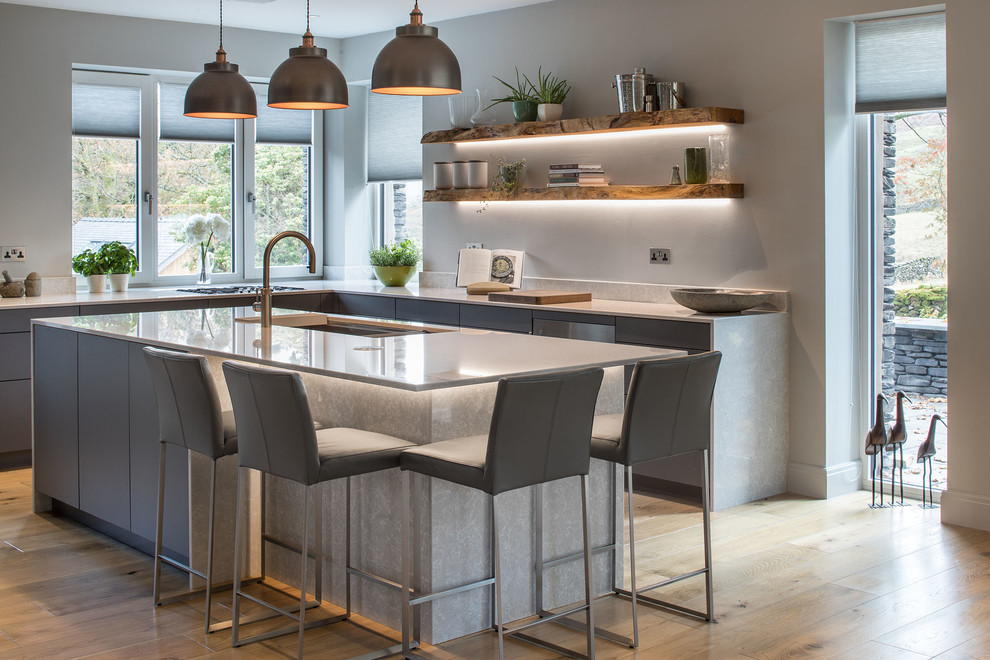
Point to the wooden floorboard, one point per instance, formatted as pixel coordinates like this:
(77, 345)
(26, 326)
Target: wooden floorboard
(794, 578)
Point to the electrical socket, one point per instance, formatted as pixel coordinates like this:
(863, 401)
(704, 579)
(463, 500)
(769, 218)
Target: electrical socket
(12, 253)
(660, 256)
(475, 246)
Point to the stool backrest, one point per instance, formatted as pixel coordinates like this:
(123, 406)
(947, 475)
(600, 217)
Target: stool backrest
(668, 408)
(541, 429)
(189, 412)
(275, 432)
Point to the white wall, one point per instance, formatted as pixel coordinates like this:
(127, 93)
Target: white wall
(38, 48)
(794, 226)
(967, 501)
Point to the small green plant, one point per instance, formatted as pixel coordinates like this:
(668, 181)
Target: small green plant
(119, 258)
(549, 89)
(88, 263)
(406, 253)
(521, 91)
(510, 176)
(925, 301)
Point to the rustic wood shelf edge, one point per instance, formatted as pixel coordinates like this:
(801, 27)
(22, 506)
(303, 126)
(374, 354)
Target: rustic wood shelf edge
(697, 191)
(627, 121)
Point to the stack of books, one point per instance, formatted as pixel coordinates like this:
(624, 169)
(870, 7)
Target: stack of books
(576, 174)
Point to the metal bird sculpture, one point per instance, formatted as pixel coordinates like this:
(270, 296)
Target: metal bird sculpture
(876, 439)
(925, 452)
(895, 444)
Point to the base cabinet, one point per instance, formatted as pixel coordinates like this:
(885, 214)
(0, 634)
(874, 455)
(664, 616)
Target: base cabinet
(104, 452)
(56, 414)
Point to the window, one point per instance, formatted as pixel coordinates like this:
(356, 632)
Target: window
(900, 88)
(395, 166)
(141, 170)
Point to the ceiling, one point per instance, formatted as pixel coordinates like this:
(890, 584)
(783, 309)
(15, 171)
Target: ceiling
(330, 18)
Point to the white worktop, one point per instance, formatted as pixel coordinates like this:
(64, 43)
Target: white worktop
(410, 362)
(658, 310)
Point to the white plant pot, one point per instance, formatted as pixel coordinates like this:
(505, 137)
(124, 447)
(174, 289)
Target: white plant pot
(549, 111)
(97, 283)
(119, 281)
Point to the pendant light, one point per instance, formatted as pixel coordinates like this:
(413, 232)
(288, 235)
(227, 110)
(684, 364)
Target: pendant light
(220, 92)
(416, 62)
(307, 80)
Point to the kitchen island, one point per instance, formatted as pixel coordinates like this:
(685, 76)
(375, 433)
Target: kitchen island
(95, 449)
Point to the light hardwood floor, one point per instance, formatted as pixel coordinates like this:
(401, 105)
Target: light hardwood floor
(794, 578)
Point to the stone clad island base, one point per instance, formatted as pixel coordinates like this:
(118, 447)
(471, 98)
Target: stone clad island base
(451, 523)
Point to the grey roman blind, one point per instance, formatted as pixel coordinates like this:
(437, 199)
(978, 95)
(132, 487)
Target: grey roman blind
(900, 63)
(173, 125)
(395, 128)
(106, 111)
(275, 126)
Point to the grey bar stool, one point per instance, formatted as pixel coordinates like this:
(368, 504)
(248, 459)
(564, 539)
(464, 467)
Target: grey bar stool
(189, 416)
(540, 432)
(277, 436)
(667, 412)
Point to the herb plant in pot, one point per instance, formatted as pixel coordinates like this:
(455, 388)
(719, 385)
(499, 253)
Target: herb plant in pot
(93, 267)
(521, 98)
(121, 262)
(395, 264)
(549, 93)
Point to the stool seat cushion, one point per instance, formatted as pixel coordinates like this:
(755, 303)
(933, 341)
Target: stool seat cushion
(460, 461)
(346, 452)
(605, 437)
(229, 433)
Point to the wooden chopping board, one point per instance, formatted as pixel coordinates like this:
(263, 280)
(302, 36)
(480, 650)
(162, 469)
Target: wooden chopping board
(539, 296)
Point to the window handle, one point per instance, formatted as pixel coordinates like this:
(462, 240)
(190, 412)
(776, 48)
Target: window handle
(147, 199)
(250, 199)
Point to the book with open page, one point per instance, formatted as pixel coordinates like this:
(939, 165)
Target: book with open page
(480, 265)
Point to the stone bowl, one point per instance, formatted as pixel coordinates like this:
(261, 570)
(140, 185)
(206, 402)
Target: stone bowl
(11, 289)
(719, 301)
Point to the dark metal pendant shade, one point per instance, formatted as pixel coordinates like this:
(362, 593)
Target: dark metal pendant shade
(416, 62)
(307, 80)
(220, 92)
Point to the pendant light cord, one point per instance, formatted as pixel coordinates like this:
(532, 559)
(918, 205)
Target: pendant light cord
(221, 24)
(307, 15)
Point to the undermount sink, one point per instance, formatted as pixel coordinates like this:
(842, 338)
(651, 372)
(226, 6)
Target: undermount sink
(347, 325)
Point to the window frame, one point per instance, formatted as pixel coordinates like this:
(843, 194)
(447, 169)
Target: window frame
(242, 182)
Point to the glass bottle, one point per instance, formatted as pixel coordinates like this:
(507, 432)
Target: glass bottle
(483, 116)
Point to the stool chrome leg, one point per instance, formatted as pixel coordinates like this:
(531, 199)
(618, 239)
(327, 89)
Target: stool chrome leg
(538, 543)
(497, 587)
(209, 542)
(588, 599)
(347, 547)
(632, 555)
(302, 572)
(318, 539)
(158, 529)
(238, 541)
(406, 586)
(706, 518)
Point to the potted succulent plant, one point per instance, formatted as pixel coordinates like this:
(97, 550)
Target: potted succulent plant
(395, 264)
(93, 267)
(121, 263)
(549, 93)
(521, 98)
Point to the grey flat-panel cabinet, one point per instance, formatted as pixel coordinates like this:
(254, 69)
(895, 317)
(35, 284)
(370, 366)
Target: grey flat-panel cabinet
(145, 452)
(427, 311)
(497, 318)
(362, 305)
(104, 452)
(15, 400)
(56, 433)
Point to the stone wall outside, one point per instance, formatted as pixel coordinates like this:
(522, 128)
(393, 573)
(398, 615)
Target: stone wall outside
(921, 358)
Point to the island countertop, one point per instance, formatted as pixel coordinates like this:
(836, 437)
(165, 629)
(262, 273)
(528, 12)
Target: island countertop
(415, 362)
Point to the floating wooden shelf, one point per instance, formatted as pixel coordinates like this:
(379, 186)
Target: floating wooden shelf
(627, 121)
(697, 191)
